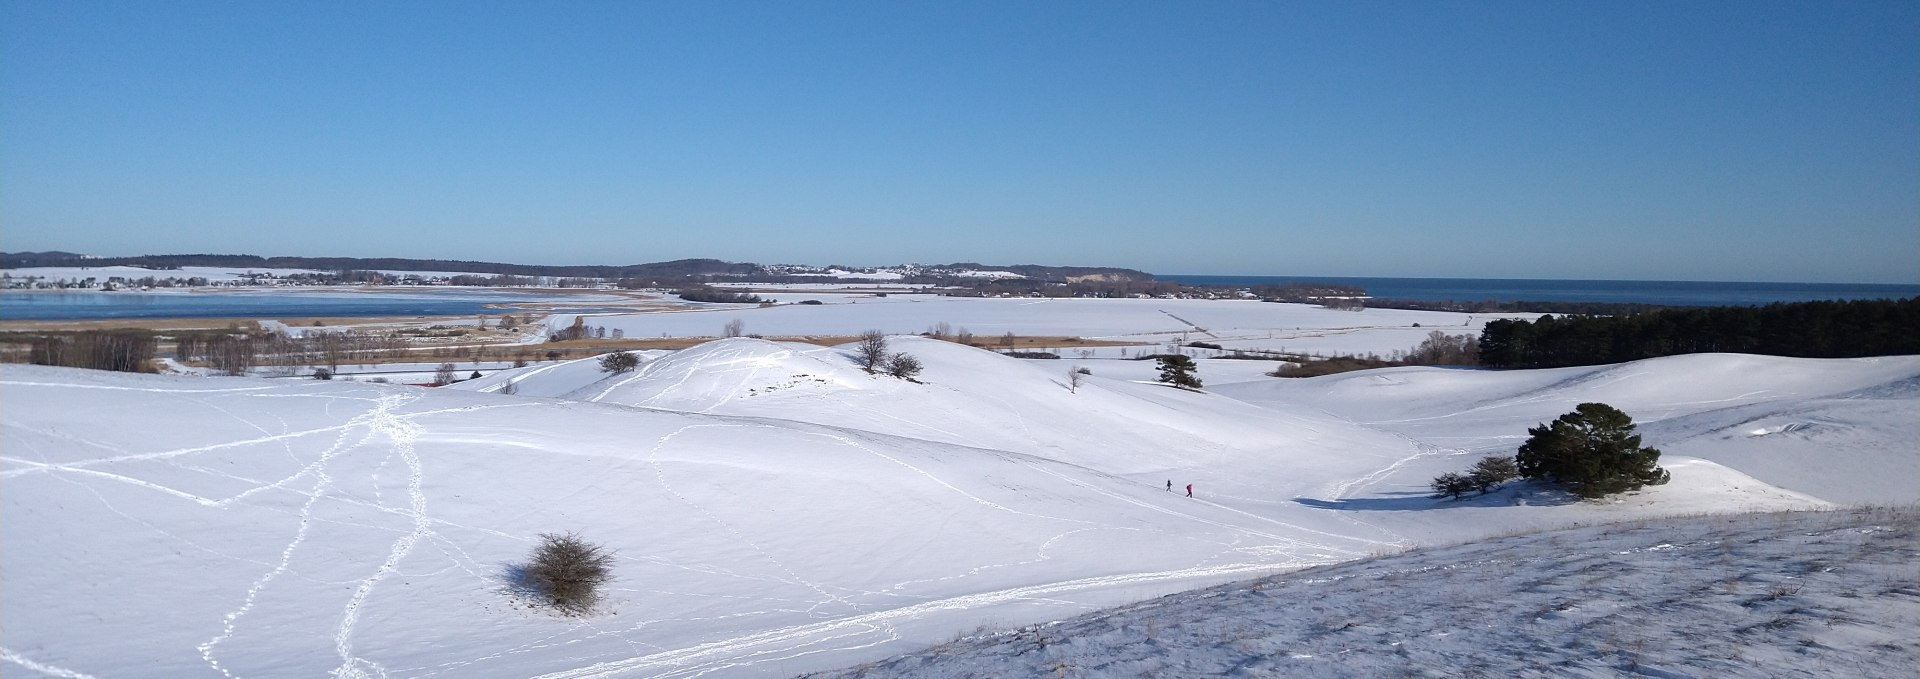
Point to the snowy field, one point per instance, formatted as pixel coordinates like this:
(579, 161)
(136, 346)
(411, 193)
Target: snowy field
(776, 510)
(1233, 324)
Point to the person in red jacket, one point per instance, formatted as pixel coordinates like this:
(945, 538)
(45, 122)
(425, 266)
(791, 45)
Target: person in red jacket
(1189, 490)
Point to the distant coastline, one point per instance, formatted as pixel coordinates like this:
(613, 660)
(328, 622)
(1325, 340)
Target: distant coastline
(1669, 293)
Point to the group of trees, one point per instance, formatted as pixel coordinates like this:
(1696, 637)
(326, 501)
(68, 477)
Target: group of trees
(703, 293)
(120, 350)
(875, 357)
(1832, 329)
(1593, 451)
(1490, 471)
(580, 330)
(1439, 348)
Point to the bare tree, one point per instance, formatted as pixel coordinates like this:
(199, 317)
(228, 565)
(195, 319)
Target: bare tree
(903, 366)
(734, 328)
(443, 376)
(619, 362)
(872, 350)
(1074, 377)
(233, 354)
(1006, 341)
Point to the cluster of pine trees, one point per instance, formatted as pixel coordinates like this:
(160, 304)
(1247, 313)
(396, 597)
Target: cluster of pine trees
(1832, 329)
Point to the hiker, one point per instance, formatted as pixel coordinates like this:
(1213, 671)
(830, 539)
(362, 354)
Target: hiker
(1189, 490)
(1169, 485)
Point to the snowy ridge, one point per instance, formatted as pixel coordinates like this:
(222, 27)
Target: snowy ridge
(1817, 594)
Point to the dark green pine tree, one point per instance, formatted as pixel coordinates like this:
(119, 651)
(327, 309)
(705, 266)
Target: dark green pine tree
(1178, 370)
(1593, 450)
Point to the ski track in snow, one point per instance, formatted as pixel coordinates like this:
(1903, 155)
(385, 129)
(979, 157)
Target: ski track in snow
(402, 433)
(43, 668)
(322, 482)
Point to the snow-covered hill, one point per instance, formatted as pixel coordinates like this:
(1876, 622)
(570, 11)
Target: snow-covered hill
(1801, 594)
(775, 508)
(1831, 428)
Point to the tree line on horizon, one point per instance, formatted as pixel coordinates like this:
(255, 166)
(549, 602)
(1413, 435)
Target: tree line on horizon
(1827, 329)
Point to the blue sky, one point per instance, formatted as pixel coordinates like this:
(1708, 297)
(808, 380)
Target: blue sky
(1631, 140)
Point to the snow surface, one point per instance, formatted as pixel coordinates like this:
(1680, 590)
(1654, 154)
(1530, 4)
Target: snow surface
(1803, 594)
(1233, 324)
(775, 508)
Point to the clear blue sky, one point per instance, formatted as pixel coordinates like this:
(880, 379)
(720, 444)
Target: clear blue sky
(1635, 140)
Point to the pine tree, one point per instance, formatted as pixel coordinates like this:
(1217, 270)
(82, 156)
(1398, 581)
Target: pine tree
(1593, 450)
(1178, 370)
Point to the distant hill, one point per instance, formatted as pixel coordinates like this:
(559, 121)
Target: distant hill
(679, 269)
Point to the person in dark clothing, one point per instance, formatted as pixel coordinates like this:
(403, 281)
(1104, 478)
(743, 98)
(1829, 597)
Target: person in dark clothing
(1169, 485)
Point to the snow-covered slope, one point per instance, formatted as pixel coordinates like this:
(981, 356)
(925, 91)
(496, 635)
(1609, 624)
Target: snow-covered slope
(171, 526)
(1804, 594)
(775, 508)
(971, 397)
(1832, 428)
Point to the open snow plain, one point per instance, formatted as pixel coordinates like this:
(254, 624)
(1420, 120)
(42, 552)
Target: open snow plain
(777, 510)
(1232, 324)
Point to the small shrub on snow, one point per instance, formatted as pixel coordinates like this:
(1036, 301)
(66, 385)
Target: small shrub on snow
(618, 362)
(1451, 483)
(903, 366)
(569, 571)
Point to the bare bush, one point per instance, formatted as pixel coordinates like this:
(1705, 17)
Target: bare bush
(1491, 471)
(735, 328)
(569, 571)
(619, 362)
(1452, 484)
(903, 366)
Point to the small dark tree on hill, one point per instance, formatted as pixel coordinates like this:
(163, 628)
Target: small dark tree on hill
(569, 571)
(1178, 371)
(872, 350)
(1593, 450)
(903, 366)
(1451, 483)
(618, 362)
